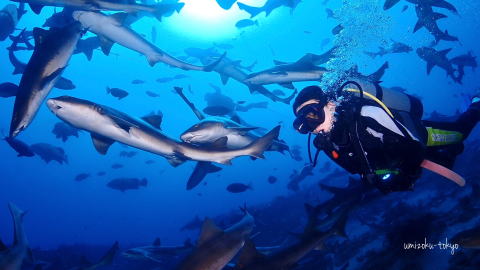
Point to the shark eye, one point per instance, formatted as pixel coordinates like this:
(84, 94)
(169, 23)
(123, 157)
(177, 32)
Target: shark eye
(58, 107)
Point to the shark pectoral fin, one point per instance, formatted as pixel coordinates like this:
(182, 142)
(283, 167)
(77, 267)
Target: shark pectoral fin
(287, 85)
(106, 44)
(101, 143)
(39, 35)
(176, 160)
(225, 162)
(122, 123)
(209, 231)
(224, 78)
(36, 8)
(249, 254)
(430, 65)
(119, 17)
(418, 25)
(438, 16)
(157, 242)
(242, 130)
(220, 143)
(51, 77)
(212, 168)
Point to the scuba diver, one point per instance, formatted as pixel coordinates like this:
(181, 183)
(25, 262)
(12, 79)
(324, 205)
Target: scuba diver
(378, 133)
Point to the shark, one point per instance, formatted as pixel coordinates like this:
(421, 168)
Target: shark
(107, 125)
(11, 258)
(53, 50)
(158, 10)
(216, 247)
(114, 29)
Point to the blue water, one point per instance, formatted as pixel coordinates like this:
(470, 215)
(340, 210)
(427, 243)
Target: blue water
(63, 211)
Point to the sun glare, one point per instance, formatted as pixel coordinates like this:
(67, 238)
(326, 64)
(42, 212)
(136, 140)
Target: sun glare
(205, 20)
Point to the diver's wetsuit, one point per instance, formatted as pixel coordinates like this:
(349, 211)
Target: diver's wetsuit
(392, 153)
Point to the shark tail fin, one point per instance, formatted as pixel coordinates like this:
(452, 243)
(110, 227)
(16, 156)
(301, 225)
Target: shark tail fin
(288, 99)
(211, 66)
(107, 259)
(256, 148)
(253, 11)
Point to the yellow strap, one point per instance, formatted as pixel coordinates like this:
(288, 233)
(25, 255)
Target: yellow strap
(374, 98)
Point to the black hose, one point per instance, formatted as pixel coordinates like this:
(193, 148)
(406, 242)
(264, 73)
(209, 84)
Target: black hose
(340, 89)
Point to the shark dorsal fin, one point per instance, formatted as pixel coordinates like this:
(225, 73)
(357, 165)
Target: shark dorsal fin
(152, 121)
(39, 35)
(248, 255)
(157, 242)
(101, 143)
(235, 118)
(377, 75)
(445, 52)
(108, 257)
(36, 8)
(277, 62)
(209, 231)
(241, 130)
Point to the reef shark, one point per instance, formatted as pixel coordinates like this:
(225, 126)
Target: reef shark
(437, 58)
(158, 10)
(209, 130)
(107, 125)
(113, 29)
(53, 50)
(285, 73)
(311, 238)
(216, 247)
(227, 69)
(11, 258)
(428, 18)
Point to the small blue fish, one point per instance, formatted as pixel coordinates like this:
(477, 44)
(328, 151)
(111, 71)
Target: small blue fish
(238, 188)
(245, 23)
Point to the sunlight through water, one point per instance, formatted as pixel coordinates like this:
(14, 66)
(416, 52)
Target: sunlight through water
(205, 20)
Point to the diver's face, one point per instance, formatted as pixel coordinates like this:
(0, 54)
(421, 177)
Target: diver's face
(327, 124)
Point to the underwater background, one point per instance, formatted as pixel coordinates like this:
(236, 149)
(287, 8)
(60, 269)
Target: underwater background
(65, 212)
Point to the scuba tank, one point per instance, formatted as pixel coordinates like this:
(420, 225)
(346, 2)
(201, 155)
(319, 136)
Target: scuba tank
(405, 108)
